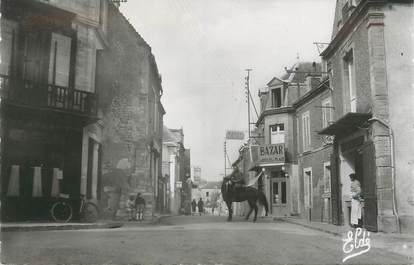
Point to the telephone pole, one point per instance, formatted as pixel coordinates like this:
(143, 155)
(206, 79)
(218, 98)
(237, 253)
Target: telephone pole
(248, 99)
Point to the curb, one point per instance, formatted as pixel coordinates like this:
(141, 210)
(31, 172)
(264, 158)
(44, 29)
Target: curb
(307, 226)
(53, 227)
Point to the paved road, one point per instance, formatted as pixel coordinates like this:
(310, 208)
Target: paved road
(186, 240)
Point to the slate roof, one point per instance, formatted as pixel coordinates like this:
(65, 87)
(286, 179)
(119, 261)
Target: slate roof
(303, 69)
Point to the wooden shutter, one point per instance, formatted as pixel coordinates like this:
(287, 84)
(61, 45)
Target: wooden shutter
(336, 203)
(59, 64)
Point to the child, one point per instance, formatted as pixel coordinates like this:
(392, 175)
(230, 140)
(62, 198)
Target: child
(130, 207)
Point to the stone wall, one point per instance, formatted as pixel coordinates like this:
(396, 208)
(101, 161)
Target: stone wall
(123, 83)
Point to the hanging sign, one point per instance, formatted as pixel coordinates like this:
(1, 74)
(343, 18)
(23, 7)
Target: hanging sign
(235, 135)
(271, 153)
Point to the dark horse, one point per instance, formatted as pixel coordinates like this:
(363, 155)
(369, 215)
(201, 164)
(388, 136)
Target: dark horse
(250, 194)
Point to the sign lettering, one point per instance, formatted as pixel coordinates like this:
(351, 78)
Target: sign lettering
(272, 153)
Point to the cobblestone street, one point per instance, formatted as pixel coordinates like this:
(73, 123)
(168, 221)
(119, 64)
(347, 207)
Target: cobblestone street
(186, 239)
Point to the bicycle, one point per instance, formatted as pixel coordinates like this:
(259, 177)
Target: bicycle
(62, 210)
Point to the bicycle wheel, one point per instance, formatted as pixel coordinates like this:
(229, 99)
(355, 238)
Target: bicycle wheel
(61, 211)
(90, 212)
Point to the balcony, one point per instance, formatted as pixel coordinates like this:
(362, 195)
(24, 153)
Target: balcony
(46, 96)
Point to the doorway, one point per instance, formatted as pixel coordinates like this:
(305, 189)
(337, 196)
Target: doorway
(279, 194)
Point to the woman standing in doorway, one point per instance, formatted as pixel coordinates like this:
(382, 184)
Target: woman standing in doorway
(356, 207)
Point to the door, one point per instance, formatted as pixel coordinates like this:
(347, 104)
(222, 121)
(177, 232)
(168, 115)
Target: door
(368, 184)
(279, 196)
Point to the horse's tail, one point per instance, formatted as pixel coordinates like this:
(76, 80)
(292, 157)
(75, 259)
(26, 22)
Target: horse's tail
(263, 201)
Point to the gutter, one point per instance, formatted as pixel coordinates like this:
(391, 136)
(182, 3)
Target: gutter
(394, 207)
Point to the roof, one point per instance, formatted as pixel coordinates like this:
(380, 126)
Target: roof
(168, 136)
(300, 71)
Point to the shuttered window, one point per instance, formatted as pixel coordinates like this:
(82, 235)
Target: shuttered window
(59, 65)
(8, 41)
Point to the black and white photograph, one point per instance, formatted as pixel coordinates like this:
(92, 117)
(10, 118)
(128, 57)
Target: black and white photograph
(207, 132)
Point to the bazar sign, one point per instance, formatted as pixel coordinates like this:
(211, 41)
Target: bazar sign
(235, 135)
(271, 153)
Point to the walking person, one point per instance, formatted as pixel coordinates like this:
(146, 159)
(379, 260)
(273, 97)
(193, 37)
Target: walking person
(200, 205)
(140, 204)
(194, 206)
(356, 207)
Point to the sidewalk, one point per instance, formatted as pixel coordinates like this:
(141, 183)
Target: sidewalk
(48, 226)
(102, 224)
(402, 244)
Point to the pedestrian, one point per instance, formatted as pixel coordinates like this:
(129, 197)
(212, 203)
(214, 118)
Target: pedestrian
(193, 206)
(356, 207)
(130, 208)
(200, 205)
(140, 204)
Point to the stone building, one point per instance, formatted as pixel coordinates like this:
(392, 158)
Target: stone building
(51, 141)
(276, 130)
(131, 117)
(369, 61)
(176, 169)
(313, 110)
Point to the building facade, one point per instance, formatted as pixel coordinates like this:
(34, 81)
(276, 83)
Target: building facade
(176, 169)
(371, 72)
(51, 141)
(131, 115)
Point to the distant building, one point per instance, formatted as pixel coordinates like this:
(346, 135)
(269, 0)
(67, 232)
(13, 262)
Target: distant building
(196, 174)
(176, 169)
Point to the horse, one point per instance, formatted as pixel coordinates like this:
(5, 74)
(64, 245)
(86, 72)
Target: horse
(252, 195)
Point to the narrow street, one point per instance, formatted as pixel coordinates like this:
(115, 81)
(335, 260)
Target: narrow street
(186, 240)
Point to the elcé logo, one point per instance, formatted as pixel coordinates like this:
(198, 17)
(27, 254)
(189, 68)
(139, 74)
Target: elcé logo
(356, 243)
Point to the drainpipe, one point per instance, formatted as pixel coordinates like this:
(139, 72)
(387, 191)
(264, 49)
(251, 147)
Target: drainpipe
(394, 207)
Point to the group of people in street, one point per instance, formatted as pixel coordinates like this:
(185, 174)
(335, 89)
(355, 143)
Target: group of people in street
(135, 207)
(199, 205)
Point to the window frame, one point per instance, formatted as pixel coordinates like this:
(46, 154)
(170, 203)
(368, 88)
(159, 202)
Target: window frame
(273, 98)
(278, 131)
(307, 187)
(326, 111)
(306, 137)
(326, 178)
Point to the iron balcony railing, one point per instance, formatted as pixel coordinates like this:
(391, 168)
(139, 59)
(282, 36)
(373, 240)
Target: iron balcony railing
(28, 93)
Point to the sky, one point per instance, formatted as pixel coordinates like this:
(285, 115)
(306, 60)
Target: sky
(202, 48)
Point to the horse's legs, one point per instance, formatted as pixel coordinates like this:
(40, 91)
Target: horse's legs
(250, 210)
(255, 212)
(229, 204)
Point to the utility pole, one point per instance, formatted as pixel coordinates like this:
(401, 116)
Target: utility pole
(248, 99)
(225, 156)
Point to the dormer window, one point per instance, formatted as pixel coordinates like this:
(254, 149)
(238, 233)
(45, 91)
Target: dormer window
(277, 97)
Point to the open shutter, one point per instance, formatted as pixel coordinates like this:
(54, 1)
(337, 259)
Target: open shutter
(59, 65)
(369, 187)
(335, 188)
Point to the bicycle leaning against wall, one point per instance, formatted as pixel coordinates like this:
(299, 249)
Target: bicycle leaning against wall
(63, 209)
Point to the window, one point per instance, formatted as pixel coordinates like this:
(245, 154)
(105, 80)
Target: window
(307, 187)
(326, 112)
(207, 193)
(277, 133)
(8, 45)
(306, 137)
(349, 71)
(59, 60)
(327, 177)
(279, 192)
(277, 95)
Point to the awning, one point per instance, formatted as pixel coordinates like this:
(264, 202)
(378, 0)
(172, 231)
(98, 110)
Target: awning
(348, 123)
(258, 166)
